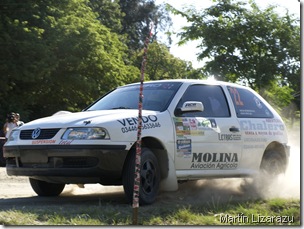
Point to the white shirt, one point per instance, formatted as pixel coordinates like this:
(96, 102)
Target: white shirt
(9, 127)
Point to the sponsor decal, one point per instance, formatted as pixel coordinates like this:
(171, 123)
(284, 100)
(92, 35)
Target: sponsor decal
(186, 127)
(184, 148)
(192, 123)
(255, 139)
(264, 128)
(263, 125)
(254, 146)
(273, 120)
(258, 102)
(246, 112)
(236, 96)
(87, 122)
(159, 85)
(214, 161)
(130, 124)
(229, 137)
(182, 127)
(37, 142)
(207, 123)
(190, 105)
(195, 130)
(213, 123)
(65, 142)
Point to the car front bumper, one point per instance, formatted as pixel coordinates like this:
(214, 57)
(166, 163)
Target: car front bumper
(67, 163)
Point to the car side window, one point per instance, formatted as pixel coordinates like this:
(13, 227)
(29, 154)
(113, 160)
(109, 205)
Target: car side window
(212, 97)
(248, 105)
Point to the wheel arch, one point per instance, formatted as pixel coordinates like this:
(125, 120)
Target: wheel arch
(159, 151)
(278, 148)
(167, 168)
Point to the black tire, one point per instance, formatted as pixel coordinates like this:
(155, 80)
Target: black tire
(149, 177)
(272, 164)
(43, 188)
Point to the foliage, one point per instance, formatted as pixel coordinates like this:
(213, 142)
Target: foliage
(278, 96)
(57, 55)
(163, 65)
(243, 43)
(138, 19)
(64, 55)
(109, 13)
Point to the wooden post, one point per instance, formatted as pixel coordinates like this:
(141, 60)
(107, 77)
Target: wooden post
(135, 204)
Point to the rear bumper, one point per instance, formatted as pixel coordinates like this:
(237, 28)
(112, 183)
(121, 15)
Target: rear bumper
(67, 163)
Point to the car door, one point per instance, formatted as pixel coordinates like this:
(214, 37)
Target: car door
(208, 140)
(257, 124)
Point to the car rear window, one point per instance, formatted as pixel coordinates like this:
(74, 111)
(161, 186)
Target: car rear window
(248, 105)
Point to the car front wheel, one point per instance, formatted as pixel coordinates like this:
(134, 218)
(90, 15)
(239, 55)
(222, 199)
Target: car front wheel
(43, 188)
(149, 177)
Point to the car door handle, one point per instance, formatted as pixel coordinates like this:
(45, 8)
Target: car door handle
(234, 129)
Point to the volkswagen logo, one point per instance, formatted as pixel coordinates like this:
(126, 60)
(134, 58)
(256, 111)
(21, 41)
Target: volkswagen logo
(36, 133)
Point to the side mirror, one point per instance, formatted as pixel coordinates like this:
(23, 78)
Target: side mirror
(190, 106)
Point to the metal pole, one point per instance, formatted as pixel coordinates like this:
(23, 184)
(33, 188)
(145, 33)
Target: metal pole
(139, 128)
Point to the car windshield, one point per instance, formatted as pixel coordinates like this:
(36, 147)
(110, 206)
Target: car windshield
(156, 97)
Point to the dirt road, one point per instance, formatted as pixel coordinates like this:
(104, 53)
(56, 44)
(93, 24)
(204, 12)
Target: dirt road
(17, 191)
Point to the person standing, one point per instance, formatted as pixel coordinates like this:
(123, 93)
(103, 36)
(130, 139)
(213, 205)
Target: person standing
(11, 123)
(18, 122)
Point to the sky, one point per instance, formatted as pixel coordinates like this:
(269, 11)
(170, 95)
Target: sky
(188, 51)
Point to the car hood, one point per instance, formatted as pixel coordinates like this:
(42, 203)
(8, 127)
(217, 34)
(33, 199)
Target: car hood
(84, 118)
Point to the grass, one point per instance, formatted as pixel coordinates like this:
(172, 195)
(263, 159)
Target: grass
(254, 212)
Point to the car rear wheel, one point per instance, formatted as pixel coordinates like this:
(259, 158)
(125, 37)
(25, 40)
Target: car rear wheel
(43, 188)
(272, 164)
(149, 177)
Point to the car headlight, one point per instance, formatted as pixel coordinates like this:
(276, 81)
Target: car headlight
(85, 133)
(14, 135)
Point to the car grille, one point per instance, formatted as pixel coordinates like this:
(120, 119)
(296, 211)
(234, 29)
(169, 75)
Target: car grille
(79, 162)
(58, 162)
(45, 134)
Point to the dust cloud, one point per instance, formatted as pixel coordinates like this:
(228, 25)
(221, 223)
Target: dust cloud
(215, 191)
(90, 189)
(288, 185)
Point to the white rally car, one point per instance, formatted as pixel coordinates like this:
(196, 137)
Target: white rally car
(192, 129)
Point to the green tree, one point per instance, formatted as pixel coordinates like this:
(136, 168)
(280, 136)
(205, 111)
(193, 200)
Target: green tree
(139, 15)
(57, 56)
(241, 42)
(109, 13)
(161, 64)
(24, 58)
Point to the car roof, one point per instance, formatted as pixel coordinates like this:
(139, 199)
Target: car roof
(194, 81)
